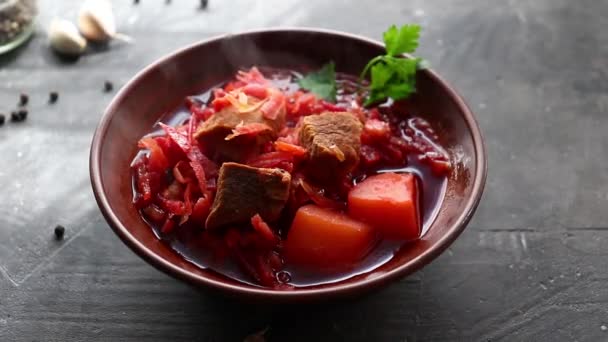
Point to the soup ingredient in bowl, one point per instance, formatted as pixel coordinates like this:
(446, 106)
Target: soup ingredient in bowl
(244, 191)
(244, 120)
(326, 239)
(391, 75)
(321, 82)
(333, 140)
(388, 202)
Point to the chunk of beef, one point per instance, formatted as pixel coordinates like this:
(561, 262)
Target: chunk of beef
(333, 140)
(243, 191)
(232, 135)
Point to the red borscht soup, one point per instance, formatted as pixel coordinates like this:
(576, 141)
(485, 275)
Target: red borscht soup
(266, 183)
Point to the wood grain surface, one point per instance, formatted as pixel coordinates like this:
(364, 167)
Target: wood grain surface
(530, 267)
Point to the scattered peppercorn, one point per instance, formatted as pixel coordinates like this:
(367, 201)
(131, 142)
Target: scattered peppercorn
(53, 97)
(59, 232)
(108, 86)
(2, 119)
(23, 99)
(22, 113)
(135, 2)
(15, 116)
(204, 4)
(19, 115)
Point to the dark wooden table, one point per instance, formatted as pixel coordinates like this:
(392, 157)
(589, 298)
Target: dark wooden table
(532, 265)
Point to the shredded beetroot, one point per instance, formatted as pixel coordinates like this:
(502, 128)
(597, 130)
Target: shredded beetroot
(175, 207)
(330, 107)
(200, 111)
(168, 226)
(376, 130)
(230, 86)
(280, 159)
(274, 104)
(199, 172)
(264, 230)
(220, 103)
(300, 104)
(187, 204)
(182, 140)
(147, 182)
(172, 151)
(143, 181)
(183, 172)
(369, 156)
(295, 150)
(201, 208)
(256, 90)
(191, 129)
(156, 160)
(193, 151)
(252, 76)
(209, 166)
(219, 93)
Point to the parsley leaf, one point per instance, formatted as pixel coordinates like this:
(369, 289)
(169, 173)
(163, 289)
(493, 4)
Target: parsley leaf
(391, 75)
(321, 82)
(403, 40)
(381, 74)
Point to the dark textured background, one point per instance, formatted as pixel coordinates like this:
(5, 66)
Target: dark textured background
(531, 265)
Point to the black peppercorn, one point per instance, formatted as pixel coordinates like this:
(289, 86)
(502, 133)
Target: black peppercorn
(53, 97)
(15, 116)
(23, 99)
(108, 86)
(2, 119)
(22, 114)
(135, 2)
(59, 232)
(204, 4)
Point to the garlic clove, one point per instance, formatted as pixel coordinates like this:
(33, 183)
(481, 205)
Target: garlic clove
(96, 20)
(65, 38)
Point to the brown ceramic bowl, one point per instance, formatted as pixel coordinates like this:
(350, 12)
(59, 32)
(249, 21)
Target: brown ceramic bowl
(160, 88)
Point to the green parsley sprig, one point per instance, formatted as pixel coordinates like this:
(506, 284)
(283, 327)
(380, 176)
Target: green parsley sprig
(321, 82)
(391, 75)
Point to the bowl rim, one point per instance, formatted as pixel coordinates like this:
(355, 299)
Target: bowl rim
(331, 290)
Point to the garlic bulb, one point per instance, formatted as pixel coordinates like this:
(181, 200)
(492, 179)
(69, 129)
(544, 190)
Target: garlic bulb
(96, 21)
(65, 38)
